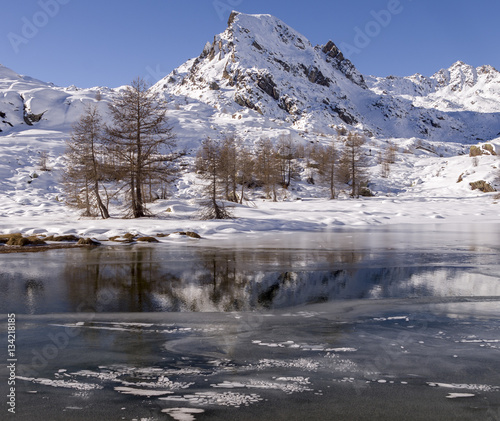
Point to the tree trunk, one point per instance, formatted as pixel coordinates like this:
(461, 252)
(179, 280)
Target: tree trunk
(133, 199)
(87, 199)
(102, 207)
(138, 188)
(353, 172)
(332, 186)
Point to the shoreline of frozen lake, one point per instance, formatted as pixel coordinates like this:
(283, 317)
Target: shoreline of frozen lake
(308, 215)
(390, 322)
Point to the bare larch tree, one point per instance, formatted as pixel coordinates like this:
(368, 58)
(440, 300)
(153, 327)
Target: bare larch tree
(142, 139)
(211, 166)
(85, 170)
(326, 158)
(267, 167)
(353, 163)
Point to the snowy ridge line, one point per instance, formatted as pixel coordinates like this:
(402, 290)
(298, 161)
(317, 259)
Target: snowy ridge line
(262, 79)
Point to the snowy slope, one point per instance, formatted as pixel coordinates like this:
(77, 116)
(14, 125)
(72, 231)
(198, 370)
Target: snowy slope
(26, 102)
(459, 88)
(261, 79)
(261, 64)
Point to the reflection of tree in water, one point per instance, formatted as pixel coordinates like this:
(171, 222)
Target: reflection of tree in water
(152, 279)
(246, 280)
(33, 290)
(192, 279)
(118, 281)
(224, 279)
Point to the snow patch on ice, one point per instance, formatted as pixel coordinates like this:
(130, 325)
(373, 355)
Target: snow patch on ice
(183, 414)
(305, 364)
(473, 387)
(460, 395)
(288, 385)
(67, 384)
(142, 392)
(231, 399)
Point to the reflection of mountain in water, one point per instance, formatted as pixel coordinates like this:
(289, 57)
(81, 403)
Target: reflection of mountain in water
(157, 279)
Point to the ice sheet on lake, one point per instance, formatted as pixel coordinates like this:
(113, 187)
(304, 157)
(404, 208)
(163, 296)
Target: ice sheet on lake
(233, 399)
(305, 364)
(474, 387)
(142, 392)
(139, 327)
(288, 385)
(183, 414)
(460, 395)
(67, 384)
(303, 346)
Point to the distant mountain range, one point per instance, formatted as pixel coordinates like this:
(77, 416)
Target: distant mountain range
(262, 73)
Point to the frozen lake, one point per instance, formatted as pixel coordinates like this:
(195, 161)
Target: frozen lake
(392, 323)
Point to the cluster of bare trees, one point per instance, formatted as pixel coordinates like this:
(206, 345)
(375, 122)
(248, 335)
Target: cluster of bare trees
(230, 169)
(341, 162)
(131, 157)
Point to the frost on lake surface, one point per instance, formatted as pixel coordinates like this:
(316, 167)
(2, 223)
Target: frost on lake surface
(183, 414)
(67, 384)
(396, 350)
(472, 387)
(460, 395)
(305, 307)
(220, 399)
(387, 327)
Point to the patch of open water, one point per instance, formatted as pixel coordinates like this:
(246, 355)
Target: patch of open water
(377, 324)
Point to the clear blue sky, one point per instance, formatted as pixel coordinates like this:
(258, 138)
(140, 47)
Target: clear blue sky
(110, 42)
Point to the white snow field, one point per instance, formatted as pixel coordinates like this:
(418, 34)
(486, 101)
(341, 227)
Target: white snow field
(260, 78)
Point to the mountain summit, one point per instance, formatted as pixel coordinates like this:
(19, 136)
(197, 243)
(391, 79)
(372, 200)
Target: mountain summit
(261, 64)
(460, 87)
(262, 74)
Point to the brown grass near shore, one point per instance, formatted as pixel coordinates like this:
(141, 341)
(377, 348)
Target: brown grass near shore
(34, 249)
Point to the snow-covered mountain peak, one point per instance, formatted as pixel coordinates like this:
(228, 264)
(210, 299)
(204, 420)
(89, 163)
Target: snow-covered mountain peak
(461, 87)
(266, 29)
(261, 64)
(25, 102)
(458, 76)
(487, 69)
(7, 74)
(259, 69)
(489, 73)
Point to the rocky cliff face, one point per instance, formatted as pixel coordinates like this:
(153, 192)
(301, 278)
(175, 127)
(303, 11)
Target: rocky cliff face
(261, 64)
(459, 88)
(262, 73)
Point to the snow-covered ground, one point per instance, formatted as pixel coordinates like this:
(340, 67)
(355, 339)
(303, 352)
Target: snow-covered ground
(422, 189)
(261, 79)
(305, 215)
